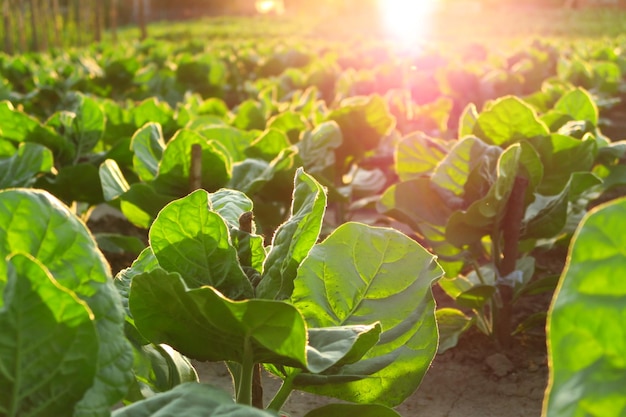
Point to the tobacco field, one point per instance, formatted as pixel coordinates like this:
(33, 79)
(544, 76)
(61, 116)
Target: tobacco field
(334, 212)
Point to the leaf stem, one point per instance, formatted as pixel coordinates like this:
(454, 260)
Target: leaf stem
(284, 391)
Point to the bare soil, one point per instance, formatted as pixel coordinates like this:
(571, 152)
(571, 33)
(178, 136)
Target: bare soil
(471, 380)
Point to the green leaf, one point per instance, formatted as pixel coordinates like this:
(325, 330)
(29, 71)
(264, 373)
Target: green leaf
(293, 239)
(191, 400)
(21, 169)
(147, 145)
(344, 410)
(118, 243)
(158, 368)
(476, 297)
(586, 330)
(35, 223)
(468, 155)
(417, 155)
(251, 175)
(141, 204)
(317, 147)
(46, 325)
(336, 346)
(20, 127)
(230, 204)
(452, 323)
(236, 141)
(250, 115)
(467, 121)
(507, 121)
(361, 274)
(268, 146)
(561, 156)
(188, 238)
(88, 123)
(290, 123)
(175, 166)
(419, 205)
(152, 110)
(363, 120)
(470, 225)
(79, 182)
(114, 183)
(203, 324)
(579, 105)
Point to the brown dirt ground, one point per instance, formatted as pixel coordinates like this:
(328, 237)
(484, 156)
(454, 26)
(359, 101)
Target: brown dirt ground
(473, 379)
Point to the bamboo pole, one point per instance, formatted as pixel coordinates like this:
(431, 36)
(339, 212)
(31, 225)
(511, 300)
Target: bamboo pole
(21, 27)
(141, 17)
(97, 21)
(8, 29)
(34, 23)
(56, 22)
(43, 14)
(113, 20)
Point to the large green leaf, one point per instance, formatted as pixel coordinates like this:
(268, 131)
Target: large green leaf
(469, 155)
(418, 204)
(236, 141)
(141, 203)
(561, 156)
(203, 324)
(336, 346)
(48, 344)
(361, 274)
(113, 182)
(417, 155)
(88, 123)
(175, 166)
(317, 147)
(22, 168)
(293, 239)
(579, 105)
(79, 182)
(363, 120)
(470, 225)
(268, 146)
(191, 400)
(586, 322)
(158, 368)
(230, 204)
(507, 121)
(147, 145)
(188, 238)
(20, 127)
(35, 223)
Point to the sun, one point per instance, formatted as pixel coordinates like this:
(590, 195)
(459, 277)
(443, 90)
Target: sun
(269, 6)
(407, 21)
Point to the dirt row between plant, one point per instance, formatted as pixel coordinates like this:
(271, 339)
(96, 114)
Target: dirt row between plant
(472, 380)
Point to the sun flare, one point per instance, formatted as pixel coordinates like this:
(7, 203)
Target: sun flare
(269, 6)
(407, 20)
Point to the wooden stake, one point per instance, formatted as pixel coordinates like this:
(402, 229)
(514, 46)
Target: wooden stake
(195, 172)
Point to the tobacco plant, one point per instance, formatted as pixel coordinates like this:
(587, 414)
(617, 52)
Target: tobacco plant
(351, 317)
(514, 179)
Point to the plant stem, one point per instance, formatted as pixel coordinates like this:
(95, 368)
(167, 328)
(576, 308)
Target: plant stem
(512, 223)
(284, 391)
(244, 395)
(257, 387)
